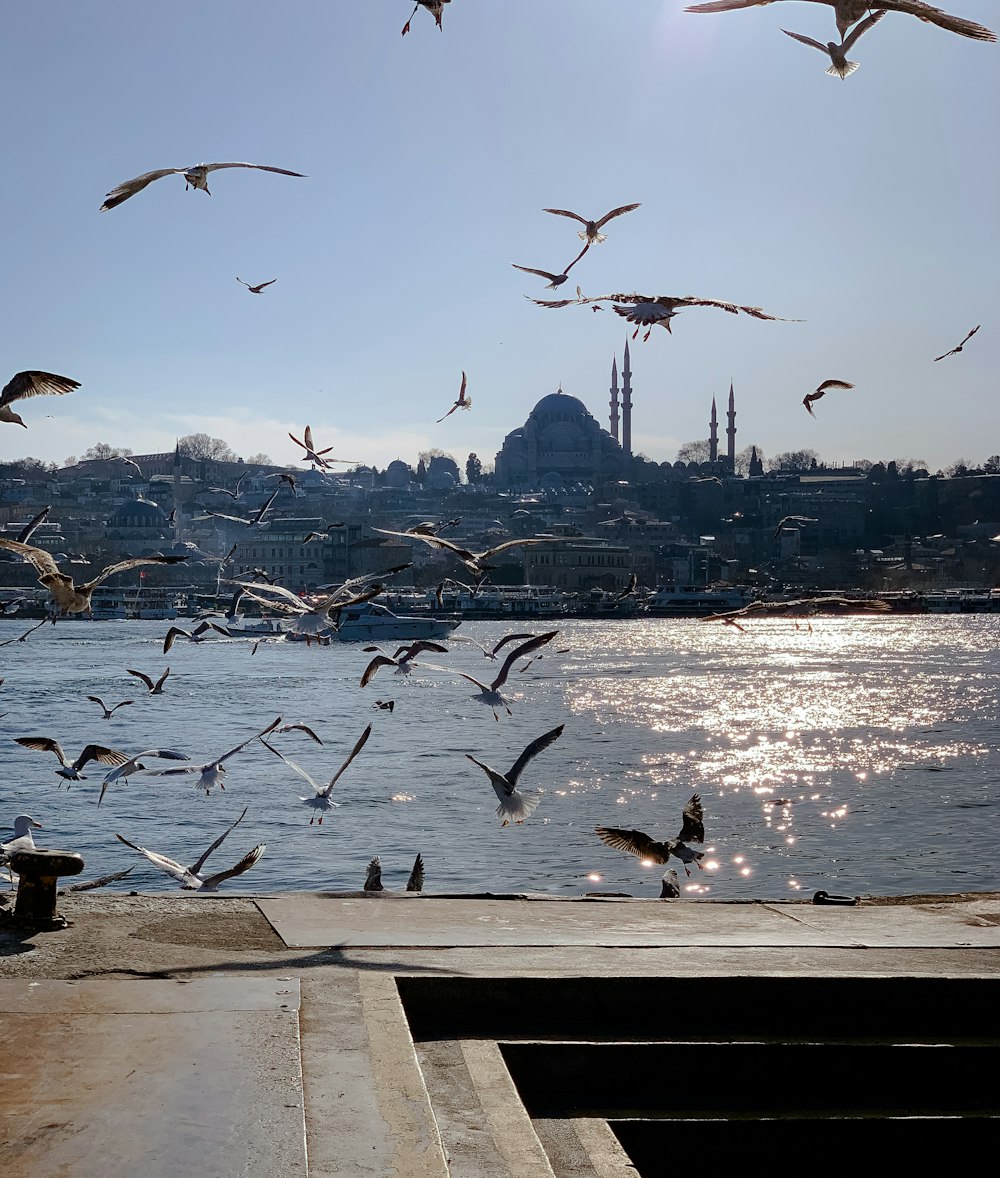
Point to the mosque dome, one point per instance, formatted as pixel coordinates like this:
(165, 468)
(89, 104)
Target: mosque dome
(138, 513)
(558, 407)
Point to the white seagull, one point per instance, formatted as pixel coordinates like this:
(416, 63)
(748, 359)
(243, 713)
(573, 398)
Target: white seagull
(22, 840)
(840, 67)
(109, 712)
(70, 771)
(191, 878)
(195, 177)
(321, 799)
(590, 233)
(401, 660)
(212, 772)
(31, 384)
(849, 12)
(514, 805)
(489, 693)
(135, 765)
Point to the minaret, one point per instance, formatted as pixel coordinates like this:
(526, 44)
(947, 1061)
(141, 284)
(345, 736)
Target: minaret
(614, 398)
(713, 435)
(627, 404)
(731, 429)
(177, 491)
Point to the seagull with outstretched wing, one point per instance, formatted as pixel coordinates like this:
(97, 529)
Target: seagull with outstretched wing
(463, 402)
(31, 384)
(591, 231)
(195, 177)
(515, 805)
(155, 687)
(849, 12)
(489, 693)
(955, 351)
(821, 391)
(321, 800)
(212, 772)
(643, 846)
(71, 771)
(434, 7)
(840, 67)
(190, 878)
(109, 712)
(258, 289)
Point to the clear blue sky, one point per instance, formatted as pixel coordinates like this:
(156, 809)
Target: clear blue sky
(867, 208)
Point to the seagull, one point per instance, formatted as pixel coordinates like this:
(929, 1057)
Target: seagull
(648, 310)
(840, 67)
(66, 770)
(644, 847)
(629, 589)
(212, 772)
(554, 279)
(849, 12)
(373, 876)
(321, 799)
(823, 389)
(252, 521)
(475, 562)
(299, 727)
(793, 519)
(22, 840)
(491, 653)
(805, 606)
(327, 529)
(515, 806)
(401, 660)
(590, 233)
(198, 634)
(256, 289)
(944, 355)
(154, 688)
(31, 384)
(463, 402)
(72, 598)
(232, 494)
(191, 877)
(434, 7)
(25, 534)
(135, 765)
(109, 712)
(316, 456)
(415, 883)
(384, 705)
(195, 177)
(489, 694)
(23, 637)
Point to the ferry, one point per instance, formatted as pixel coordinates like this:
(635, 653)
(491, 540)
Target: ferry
(691, 601)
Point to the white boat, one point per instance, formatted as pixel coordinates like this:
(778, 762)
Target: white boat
(374, 623)
(690, 601)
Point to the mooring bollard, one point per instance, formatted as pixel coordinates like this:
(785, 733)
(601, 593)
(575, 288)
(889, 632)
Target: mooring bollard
(38, 873)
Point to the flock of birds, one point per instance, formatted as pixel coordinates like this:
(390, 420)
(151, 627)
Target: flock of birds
(313, 618)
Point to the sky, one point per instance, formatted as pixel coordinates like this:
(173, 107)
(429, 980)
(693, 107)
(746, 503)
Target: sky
(867, 209)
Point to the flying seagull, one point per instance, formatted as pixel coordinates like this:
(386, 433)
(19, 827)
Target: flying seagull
(251, 521)
(634, 842)
(136, 765)
(590, 233)
(190, 877)
(953, 352)
(489, 693)
(316, 456)
(554, 279)
(849, 12)
(198, 634)
(794, 519)
(70, 771)
(648, 310)
(109, 712)
(321, 800)
(32, 384)
(805, 607)
(153, 688)
(256, 289)
(463, 402)
(71, 598)
(29, 529)
(514, 805)
(212, 772)
(434, 7)
(195, 177)
(491, 652)
(840, 67)
(823, 389)
(475, 562)
(401, 659)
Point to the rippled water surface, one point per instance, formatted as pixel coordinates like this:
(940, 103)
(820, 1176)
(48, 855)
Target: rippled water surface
(860, 756)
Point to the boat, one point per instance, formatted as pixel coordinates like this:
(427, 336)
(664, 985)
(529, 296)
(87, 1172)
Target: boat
(369, 622)
(692, 601)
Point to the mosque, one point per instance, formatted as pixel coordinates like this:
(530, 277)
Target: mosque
(561, 442)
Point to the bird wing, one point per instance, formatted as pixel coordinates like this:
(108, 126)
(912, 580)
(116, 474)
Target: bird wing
(251, 857)
(256, 519)
(200, 863)
(257, 167)
(170, 866)
(308, 437)
(506, 638)
(416, 881)
(423, 644)
(299, 727)
(834, 384)
(98, 752)
(42, 744)
(567, 213)
(256, 736)
(693, 828)
(544, 273)
(38, 557)
(25, 534)
(96, 699)
(173, 633)
(861, 28)
(132, 563)
(162, 679)
(726, 5)
(586, 246)
(293, 765)
(263, 284)
(361, 742)
(381, 660)
(944, 20)
(35, 384)
(495, 551)
(633, 842)
(461, 392)
(233, 519)
(139, 675)
(120, 194)
(448, 414)
(533, 749)
(615, 213)
(248, 286)
(518, 652)
(809, 41)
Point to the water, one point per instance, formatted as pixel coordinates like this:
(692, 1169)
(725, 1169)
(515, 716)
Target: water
(882, 733)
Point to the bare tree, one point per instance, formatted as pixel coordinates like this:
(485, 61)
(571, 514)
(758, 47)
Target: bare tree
(794, 460)
(694, 452)
(201, 446)
(102, 451)
(741, 464)
(260, 460)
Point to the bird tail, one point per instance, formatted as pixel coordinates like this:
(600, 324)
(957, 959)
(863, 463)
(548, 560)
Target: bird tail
(518, 806)
(596, 239)
(842, 71)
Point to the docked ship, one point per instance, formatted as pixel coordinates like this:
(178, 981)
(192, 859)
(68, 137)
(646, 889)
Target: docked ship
(692, 601)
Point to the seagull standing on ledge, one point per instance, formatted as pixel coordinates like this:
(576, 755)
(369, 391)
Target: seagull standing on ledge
(195, 177)
(22, 840)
